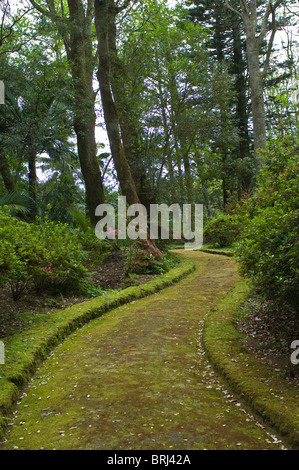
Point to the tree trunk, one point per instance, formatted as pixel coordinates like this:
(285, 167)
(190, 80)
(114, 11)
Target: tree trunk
(82, 65)
(76, 32)
(239, 71)
(129, 133)
(32, 174)
(255, 36)
(89, 166)
(8, 180)
(256, 81)
(111, 116)
(244, 183)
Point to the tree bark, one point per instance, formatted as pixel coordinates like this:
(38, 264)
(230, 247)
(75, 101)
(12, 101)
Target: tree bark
(244, 176)
(8, 180)
(256, 81)
(255, 35)
(129, 133)
(111, 116)
(76, 32)
(239, 71)
(32, 178)
(82, 65)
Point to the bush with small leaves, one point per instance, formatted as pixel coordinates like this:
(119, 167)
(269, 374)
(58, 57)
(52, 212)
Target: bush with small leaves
(143, 257)
(43, 255)
(221, 231)
(268, 249)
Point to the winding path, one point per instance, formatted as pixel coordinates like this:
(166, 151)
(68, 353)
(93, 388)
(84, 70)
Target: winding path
(138, 378)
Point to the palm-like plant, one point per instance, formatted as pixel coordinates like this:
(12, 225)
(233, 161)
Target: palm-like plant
(20, 203)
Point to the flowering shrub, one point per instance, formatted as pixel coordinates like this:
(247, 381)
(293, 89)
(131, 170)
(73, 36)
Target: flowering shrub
(144, 257)
(43, 255)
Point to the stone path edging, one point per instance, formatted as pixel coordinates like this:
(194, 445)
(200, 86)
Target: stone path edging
(263, 390)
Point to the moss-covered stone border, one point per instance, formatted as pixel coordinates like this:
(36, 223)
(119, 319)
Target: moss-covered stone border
(215, 251)
(26, 351)
(267, 393)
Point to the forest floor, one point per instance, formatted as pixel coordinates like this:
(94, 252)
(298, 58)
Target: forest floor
(138, 378)
(269, 334)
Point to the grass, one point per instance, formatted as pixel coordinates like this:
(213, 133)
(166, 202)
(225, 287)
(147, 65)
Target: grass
(227, 251)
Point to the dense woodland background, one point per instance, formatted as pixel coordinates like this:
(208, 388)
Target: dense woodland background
(188, 102)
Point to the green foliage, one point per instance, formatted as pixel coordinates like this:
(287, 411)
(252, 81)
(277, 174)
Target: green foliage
(221, 231)
(97, 249)
(44, 255)
(20, 203)
(177, 92)
(268, 247)
(143, 257)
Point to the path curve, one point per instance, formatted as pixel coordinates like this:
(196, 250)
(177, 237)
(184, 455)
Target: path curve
(138, 378)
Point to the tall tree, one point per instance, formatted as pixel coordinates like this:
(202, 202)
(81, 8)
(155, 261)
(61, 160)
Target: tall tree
(227, 45)
(256, 31)
(176, 98)
(130, 129)
(105, 16)
(74, 20)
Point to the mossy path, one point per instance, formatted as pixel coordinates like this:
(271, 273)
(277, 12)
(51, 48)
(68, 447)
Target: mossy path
(138, 378)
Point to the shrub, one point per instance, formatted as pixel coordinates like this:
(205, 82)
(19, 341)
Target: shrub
(221, 231)
(58, 261)
(144, 257)
(12, 266)
(43, 255)
(268, 250)
(97, 249)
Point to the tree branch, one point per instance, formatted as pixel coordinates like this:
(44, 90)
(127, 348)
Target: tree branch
(60, 21)
(270, 45)
(245, 8)
(271, 9)
(42, 10)
(10, 27)
(233, 9)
